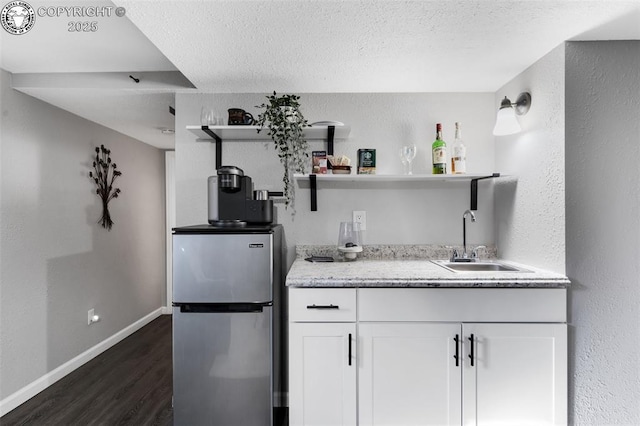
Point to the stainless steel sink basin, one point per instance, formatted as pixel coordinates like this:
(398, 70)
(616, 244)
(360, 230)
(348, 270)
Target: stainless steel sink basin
(478, 266)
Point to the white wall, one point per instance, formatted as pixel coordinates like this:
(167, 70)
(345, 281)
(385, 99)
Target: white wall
(56, 262)
(396, 213)
(603, 230)
(530, 217)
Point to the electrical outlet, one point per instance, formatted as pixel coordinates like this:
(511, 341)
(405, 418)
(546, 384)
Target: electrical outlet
(360, 216)
(90, 315)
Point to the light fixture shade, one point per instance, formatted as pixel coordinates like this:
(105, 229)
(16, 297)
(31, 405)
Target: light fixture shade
(506, 122)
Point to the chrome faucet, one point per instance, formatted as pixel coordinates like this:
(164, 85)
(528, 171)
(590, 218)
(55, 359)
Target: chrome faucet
(474, 252)
(464, 231)
(465, 256)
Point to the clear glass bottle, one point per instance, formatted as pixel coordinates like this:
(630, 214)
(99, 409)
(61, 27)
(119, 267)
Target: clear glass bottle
(439, 153)
(459, 157)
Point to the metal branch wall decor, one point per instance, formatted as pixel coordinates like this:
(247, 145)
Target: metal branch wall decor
(104, 173)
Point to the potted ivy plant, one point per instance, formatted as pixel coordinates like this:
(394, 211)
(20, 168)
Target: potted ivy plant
(285, 123)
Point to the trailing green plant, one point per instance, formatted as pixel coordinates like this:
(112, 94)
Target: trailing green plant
(285, 123)
(104, 174)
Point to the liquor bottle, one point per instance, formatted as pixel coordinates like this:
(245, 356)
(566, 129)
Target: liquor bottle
(439, 153)
(459, 157)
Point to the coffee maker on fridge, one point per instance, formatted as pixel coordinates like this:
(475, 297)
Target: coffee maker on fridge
(233, 202)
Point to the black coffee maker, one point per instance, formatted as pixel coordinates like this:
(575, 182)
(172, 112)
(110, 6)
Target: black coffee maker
(233, 202)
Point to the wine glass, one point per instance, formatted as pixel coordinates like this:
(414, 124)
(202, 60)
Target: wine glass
(407, 154)
(206, 116)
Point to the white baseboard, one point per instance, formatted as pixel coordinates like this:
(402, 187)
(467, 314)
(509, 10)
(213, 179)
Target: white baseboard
(167, 310)
(38, 385)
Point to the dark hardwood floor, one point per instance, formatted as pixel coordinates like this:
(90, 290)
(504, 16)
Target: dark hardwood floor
(129, 384)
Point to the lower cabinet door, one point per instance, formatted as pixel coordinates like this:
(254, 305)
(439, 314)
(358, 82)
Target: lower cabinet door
(322, 374)
(518, 376)
(408, 374)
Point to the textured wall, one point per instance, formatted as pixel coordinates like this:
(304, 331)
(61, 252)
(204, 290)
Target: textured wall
(530, 210)
(56, 262)
(416, 213)
(603, 229)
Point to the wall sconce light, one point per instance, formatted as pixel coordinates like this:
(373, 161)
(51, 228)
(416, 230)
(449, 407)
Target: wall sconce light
(506, 122)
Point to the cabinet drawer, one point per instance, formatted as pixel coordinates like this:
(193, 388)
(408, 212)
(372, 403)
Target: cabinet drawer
(463, 305)
(322, 304)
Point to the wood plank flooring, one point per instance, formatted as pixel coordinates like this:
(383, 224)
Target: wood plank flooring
(129, 384)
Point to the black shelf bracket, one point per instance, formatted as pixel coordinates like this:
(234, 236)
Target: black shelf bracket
(313, 183)
(218, 145)
(313, 186)
(331, 132)
(474, 190)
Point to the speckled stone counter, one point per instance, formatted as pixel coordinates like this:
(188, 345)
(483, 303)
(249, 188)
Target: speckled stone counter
(406, 270)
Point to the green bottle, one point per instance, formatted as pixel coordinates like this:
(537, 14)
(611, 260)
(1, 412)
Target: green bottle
(439, 153)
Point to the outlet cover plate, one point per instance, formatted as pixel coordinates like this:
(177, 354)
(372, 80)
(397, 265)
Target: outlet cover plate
(360, 216)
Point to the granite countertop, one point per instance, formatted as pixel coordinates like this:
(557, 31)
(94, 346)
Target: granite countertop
(400, 270)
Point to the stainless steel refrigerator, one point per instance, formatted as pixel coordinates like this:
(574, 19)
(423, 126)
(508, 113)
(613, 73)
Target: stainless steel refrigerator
(227, 316)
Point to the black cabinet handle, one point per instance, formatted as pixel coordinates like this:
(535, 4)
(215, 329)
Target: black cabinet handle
(472, 354)
(457, 355)
(323, 307)
(349, 348)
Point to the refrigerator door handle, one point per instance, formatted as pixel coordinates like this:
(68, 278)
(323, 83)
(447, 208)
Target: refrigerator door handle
(203, 308)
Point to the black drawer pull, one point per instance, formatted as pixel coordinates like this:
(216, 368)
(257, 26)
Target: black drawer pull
(323, 307)
(349, 348)
(472, 354)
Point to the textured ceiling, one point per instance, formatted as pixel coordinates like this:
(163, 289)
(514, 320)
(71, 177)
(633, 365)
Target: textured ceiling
(116, 45)
(301, 46)
(87, 73)
(363, 46)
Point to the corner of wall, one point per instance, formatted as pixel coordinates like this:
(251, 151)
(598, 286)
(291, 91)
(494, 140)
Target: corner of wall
(529, 208)
(603, 231)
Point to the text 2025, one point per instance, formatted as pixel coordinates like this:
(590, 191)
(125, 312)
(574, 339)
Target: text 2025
(82, 27)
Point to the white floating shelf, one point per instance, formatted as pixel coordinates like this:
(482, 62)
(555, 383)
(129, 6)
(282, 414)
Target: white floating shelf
(304, 180)
(391, 178)
(250, 133)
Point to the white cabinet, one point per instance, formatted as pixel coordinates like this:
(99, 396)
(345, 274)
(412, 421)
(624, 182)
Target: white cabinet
(322, 384)
(408, 374)
(519, 374)
(423, 374)
(322, 357)
(428, 356)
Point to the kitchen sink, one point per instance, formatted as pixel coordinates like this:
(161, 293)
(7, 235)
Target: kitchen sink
(478, 266)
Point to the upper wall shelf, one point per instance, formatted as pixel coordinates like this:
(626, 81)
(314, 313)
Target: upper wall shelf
(393, 178)
(313, 180)
(250, 133)
(217, 134)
